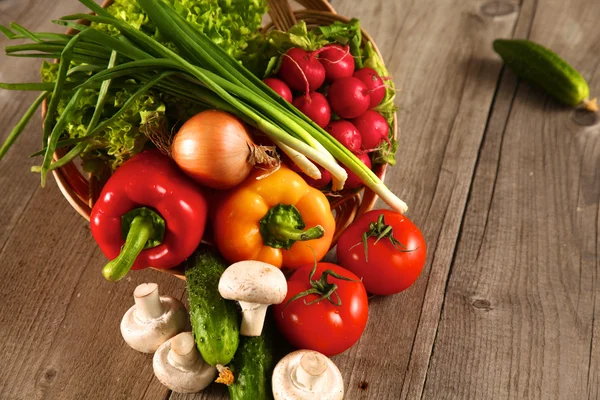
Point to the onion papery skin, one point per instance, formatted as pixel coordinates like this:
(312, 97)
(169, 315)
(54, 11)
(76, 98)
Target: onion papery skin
(214, 148)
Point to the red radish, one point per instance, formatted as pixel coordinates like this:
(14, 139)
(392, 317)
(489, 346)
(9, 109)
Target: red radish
(337, 61)
(373, 129)
(315, 106)
(374, 83)
(316, 183)
(280, 88)
(346, 134)
(353, 180)
(349, 97)
(301, 70)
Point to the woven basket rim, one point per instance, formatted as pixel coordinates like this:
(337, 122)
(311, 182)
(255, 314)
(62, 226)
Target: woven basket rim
(348, 206)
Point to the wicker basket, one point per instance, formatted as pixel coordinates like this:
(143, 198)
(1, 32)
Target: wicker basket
(81, 191)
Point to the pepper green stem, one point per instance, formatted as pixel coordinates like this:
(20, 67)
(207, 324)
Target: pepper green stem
(139, 233)
(283, 226)
(284, 232)
(141, 228)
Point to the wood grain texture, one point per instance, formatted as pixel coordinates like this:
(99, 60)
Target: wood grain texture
(519, 314)
(59, 320)
(12, 106)
(437, 52)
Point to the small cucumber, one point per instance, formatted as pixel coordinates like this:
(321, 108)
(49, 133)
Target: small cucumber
(252, 367)
(543, 67)
(215, 321)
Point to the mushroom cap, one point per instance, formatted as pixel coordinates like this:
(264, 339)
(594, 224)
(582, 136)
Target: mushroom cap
(146, 337)
(329, 387)
(253, 282)
(180, 378)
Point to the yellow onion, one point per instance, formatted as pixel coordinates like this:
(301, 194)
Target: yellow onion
(215, 149)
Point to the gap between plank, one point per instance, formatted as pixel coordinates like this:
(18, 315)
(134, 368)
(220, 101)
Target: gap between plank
(460, 229)
(18, 221)
(487, 217)
(594, 277)
(501, 80)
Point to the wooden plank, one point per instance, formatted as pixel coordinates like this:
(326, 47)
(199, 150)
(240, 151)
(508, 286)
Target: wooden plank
(12, 105)
(59, 319)
(437, 53)
(519, 314)
(433, 174)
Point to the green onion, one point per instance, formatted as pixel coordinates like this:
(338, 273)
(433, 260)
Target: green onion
(81, 146)
(12, 137)
(201, 72)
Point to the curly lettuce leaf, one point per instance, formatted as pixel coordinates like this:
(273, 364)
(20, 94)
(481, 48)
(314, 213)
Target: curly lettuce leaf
(387, 151)
(297, 36)
(233, 25)
(347, 34)
(121, 139)
(372, 60)
(279, 42)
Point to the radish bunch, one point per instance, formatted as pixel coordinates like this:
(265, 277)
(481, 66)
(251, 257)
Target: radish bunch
(350, 94)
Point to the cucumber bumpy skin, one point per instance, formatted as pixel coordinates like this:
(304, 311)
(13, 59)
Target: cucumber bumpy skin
(215, 321)
(541, 66)
(252, 367)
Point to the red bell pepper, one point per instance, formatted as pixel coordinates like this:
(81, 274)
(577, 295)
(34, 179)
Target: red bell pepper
(148, 215)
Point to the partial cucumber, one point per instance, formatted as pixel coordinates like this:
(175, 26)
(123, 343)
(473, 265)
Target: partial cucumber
(543, 67)
(252, 367)
(215, 321)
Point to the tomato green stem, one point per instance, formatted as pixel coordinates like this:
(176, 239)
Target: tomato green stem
(321, 286)
(380, 230)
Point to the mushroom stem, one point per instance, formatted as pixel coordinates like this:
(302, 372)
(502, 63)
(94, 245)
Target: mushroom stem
(183, 351)
(253, 318)
(147, 301)
(309, 374)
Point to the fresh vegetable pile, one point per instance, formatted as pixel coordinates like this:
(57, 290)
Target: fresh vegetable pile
(203, 127)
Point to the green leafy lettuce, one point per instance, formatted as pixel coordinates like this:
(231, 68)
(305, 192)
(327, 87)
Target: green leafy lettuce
(386, 153)
(232, 24)
(119, 140)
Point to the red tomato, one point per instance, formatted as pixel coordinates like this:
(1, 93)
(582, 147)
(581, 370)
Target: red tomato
(323, 326)
(394, 262)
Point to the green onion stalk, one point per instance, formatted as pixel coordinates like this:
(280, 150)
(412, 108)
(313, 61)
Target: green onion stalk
(202, 72)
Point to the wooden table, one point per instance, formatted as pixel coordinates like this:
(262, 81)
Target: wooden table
(503, 181)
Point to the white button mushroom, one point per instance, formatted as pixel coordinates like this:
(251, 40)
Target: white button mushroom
(307, 375)
(153, 319)
(256, 285)
(179, 366)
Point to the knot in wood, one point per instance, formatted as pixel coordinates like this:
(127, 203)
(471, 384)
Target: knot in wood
(46, 377)
(482, 304)
(585, 118)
